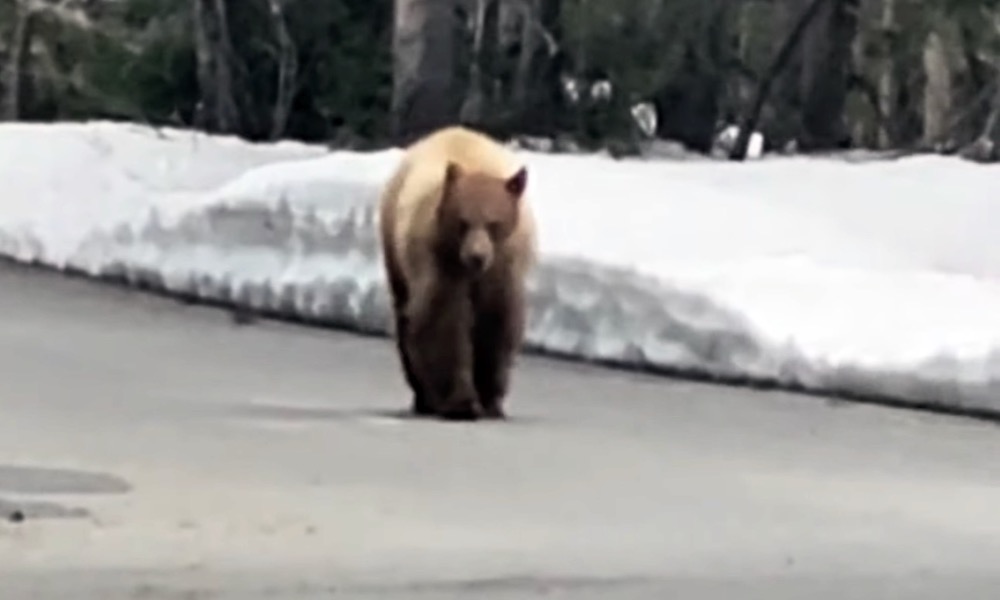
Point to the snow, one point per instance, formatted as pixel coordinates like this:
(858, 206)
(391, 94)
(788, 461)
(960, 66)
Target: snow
(877, 278)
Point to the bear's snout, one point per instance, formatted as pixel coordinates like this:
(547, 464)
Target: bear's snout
(477, 252)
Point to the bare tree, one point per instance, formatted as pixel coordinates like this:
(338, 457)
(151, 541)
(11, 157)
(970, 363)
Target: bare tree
(33, 17)
(474, 107)
(287, 58)
(985, 147)
(17, 60)
(937, 90)
(529, 41)
(511, 75)
(424, 83)
(217, 110)
(781, 59)
(826, 75)
(886, 80)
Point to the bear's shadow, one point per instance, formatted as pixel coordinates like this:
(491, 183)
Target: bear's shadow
(281, 412)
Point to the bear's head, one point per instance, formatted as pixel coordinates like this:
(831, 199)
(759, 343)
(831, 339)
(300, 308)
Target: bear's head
(477, 213)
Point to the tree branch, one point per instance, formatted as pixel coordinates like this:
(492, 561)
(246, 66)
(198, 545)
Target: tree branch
(749, 122)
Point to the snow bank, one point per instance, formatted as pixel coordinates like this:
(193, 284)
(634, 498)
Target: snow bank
(877, 279)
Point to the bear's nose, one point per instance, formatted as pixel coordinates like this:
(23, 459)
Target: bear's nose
(477, 262)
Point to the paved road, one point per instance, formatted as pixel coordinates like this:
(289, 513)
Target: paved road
(159, 451)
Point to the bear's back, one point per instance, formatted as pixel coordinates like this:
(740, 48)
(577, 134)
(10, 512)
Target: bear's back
(471, 150)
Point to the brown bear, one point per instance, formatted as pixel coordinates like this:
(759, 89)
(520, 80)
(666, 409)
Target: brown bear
(458, 239)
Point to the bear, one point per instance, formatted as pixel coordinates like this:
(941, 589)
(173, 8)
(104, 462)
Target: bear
(458, 240)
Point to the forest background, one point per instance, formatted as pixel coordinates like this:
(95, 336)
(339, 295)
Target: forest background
(811, 75)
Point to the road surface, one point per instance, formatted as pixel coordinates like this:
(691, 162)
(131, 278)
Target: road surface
(157, 450)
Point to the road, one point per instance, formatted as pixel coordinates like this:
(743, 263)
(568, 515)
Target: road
(158, 450)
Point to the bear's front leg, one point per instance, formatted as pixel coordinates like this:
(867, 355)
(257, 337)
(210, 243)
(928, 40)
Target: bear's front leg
(399, 295)
(499, 328)
(441, 353)
(420, 404)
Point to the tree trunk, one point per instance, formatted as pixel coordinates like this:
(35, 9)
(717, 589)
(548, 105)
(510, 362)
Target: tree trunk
(781, 59)
(744, 26)
(864, 130)
(287, 71)
(538, 95)
(529, 43)
(886, 81)
(424, 82)
(986, 147)
(937, 91)
(17, 62)
(826, 70)
(474, 107)
(217, 111)
(690, 102)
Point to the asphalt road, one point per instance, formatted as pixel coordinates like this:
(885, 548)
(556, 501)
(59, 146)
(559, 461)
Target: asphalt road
(156, 450)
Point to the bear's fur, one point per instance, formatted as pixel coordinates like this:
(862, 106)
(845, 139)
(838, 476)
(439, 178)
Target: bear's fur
(458, 240)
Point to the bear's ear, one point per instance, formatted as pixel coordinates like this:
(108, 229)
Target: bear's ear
(517, 182)
(451, 173)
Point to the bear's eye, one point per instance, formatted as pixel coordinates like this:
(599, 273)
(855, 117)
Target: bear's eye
(495, 228)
